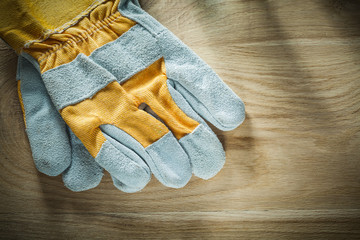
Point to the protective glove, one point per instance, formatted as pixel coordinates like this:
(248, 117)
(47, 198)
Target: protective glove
(55, 148)
(100, 70)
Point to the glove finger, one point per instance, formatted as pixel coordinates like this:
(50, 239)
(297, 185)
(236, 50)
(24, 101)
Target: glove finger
(123, 164)
(200, 85)
(83, 173)
(202, 145)
(45, 128)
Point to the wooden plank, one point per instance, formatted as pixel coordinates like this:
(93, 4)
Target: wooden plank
(279, 224)
(292, 169)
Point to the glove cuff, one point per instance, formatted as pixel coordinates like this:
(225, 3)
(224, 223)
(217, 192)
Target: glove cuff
(103, 25)
(22, 22)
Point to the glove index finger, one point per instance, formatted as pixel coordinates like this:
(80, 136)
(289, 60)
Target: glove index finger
(200, 85)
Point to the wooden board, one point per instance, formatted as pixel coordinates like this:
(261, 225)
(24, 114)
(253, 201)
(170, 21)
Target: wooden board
(293, 167)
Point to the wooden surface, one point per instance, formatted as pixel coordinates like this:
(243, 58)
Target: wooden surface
(293, 167)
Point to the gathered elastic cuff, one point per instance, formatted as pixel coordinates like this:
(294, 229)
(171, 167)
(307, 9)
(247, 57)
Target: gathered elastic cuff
(104, 24)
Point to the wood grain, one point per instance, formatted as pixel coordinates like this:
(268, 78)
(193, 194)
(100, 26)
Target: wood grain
(293, 167)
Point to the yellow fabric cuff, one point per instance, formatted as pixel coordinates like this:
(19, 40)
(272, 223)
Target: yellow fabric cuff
(24, 22)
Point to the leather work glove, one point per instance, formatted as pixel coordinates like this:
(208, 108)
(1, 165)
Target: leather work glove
(101, 69)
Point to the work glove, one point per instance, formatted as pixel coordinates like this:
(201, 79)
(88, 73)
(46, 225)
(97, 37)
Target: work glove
(99, 71)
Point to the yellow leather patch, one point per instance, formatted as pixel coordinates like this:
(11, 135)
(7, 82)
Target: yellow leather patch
(118, 105)
(149, 86)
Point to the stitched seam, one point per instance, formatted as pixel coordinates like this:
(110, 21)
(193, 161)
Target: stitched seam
(79, 38)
